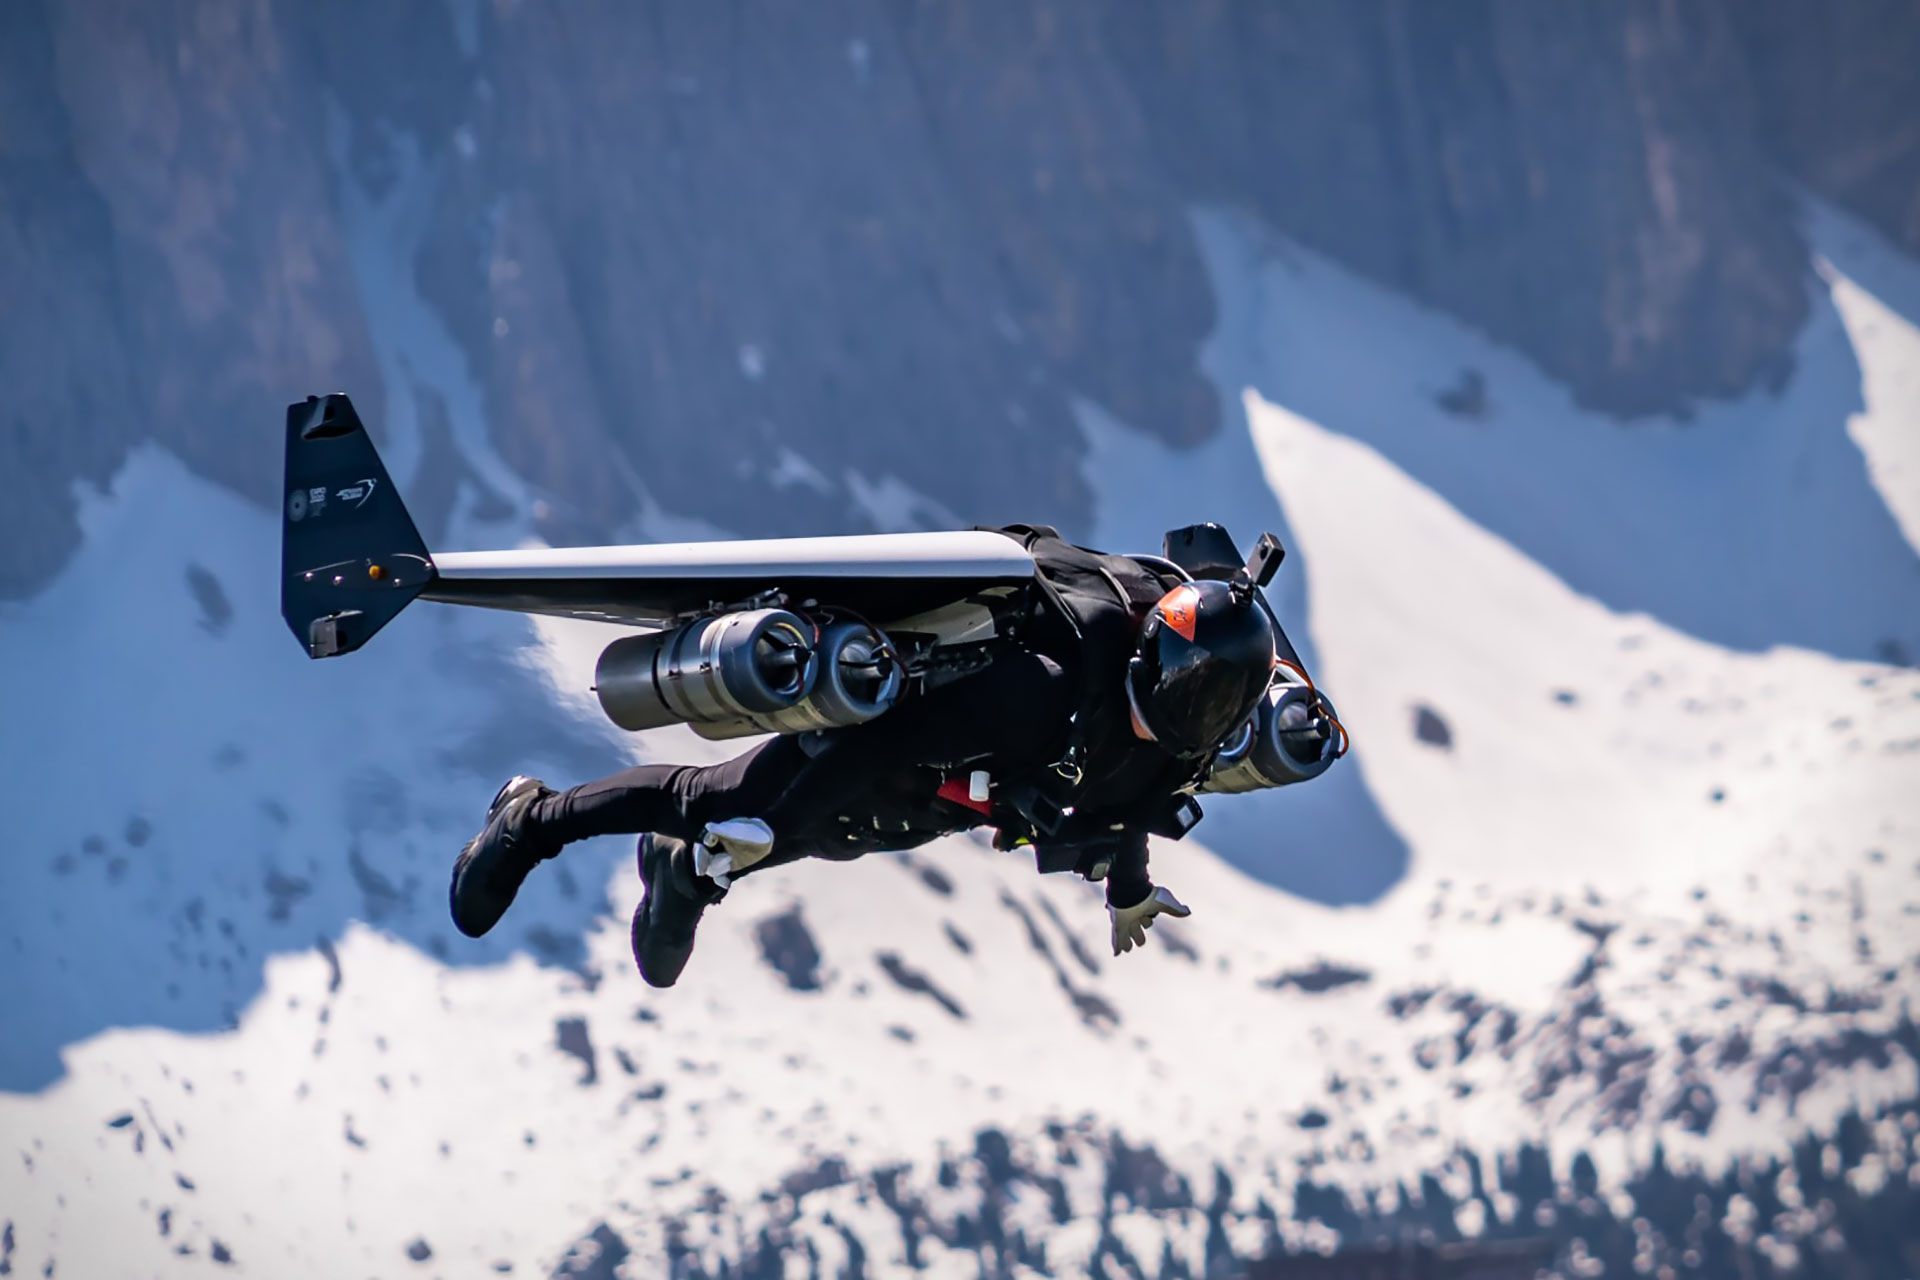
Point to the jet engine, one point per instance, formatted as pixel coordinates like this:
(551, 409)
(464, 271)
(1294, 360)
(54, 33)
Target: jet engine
(1292, 737)
(761, 671)
(716, 669)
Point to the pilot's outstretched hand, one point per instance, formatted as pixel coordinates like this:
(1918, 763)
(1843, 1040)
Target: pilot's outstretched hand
(1130, 924)
(729, 847)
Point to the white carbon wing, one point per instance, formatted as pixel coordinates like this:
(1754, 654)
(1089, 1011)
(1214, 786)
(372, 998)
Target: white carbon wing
(883, 576)
(351, 558)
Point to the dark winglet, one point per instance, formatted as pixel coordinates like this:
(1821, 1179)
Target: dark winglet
(350, 557)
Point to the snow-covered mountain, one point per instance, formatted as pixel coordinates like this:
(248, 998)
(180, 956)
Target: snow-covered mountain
(1607, 932)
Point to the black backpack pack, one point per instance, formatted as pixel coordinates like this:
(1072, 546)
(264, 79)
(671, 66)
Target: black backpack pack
(1101, 600)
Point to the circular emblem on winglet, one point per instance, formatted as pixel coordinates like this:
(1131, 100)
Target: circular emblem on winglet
(297, 505)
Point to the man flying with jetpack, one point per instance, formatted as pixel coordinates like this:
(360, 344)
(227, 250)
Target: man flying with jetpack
(916, 684)
(1088, 732)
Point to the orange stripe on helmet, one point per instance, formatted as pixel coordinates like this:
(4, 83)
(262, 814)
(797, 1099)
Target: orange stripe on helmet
(1180, 609)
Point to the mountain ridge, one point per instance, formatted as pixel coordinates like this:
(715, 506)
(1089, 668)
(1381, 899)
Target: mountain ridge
(896, 240)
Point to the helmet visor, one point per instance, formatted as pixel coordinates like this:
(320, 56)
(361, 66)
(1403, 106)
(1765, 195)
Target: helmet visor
(1197, 700)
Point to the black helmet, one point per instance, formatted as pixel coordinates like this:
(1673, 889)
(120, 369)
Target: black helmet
(1206, 656)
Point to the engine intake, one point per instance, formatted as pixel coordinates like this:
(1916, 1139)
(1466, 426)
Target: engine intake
(764, 671)
(730, 667)
(860, 677)
(1291, 738)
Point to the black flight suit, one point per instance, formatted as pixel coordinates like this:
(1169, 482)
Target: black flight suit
(845, 792)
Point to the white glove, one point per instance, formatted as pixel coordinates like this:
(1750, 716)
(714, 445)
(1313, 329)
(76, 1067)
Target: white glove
(729, 847)
(1130, 924)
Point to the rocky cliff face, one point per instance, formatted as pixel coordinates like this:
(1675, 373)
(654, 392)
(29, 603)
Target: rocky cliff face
(172, 255)
(802, 271)
(1839, 105)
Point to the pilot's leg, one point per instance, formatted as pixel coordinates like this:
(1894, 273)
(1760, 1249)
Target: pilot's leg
(676, 897)
(529, 823)
(675, 800)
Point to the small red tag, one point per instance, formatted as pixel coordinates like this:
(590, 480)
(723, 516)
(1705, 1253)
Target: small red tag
(955, 789)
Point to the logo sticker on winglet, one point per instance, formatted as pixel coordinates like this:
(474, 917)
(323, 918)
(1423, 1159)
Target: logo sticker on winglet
(357, 493)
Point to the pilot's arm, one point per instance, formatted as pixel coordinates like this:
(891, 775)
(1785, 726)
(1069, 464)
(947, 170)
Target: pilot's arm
(1133, 900)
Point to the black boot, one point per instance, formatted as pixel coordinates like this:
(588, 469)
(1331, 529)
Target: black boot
(489, 870)
(670, 910)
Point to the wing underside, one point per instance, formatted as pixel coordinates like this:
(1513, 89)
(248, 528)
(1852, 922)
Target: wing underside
(882, 576)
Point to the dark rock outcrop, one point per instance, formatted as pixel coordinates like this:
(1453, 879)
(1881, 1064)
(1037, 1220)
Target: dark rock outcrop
(595, 1256)
(789, 949)
(572, 1036)
(1429, 727)
(915, 981)
(1320, 978)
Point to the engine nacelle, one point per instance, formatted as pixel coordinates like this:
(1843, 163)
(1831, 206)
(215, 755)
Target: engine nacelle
(730, 667)
(1279, 745)
(860, 677)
